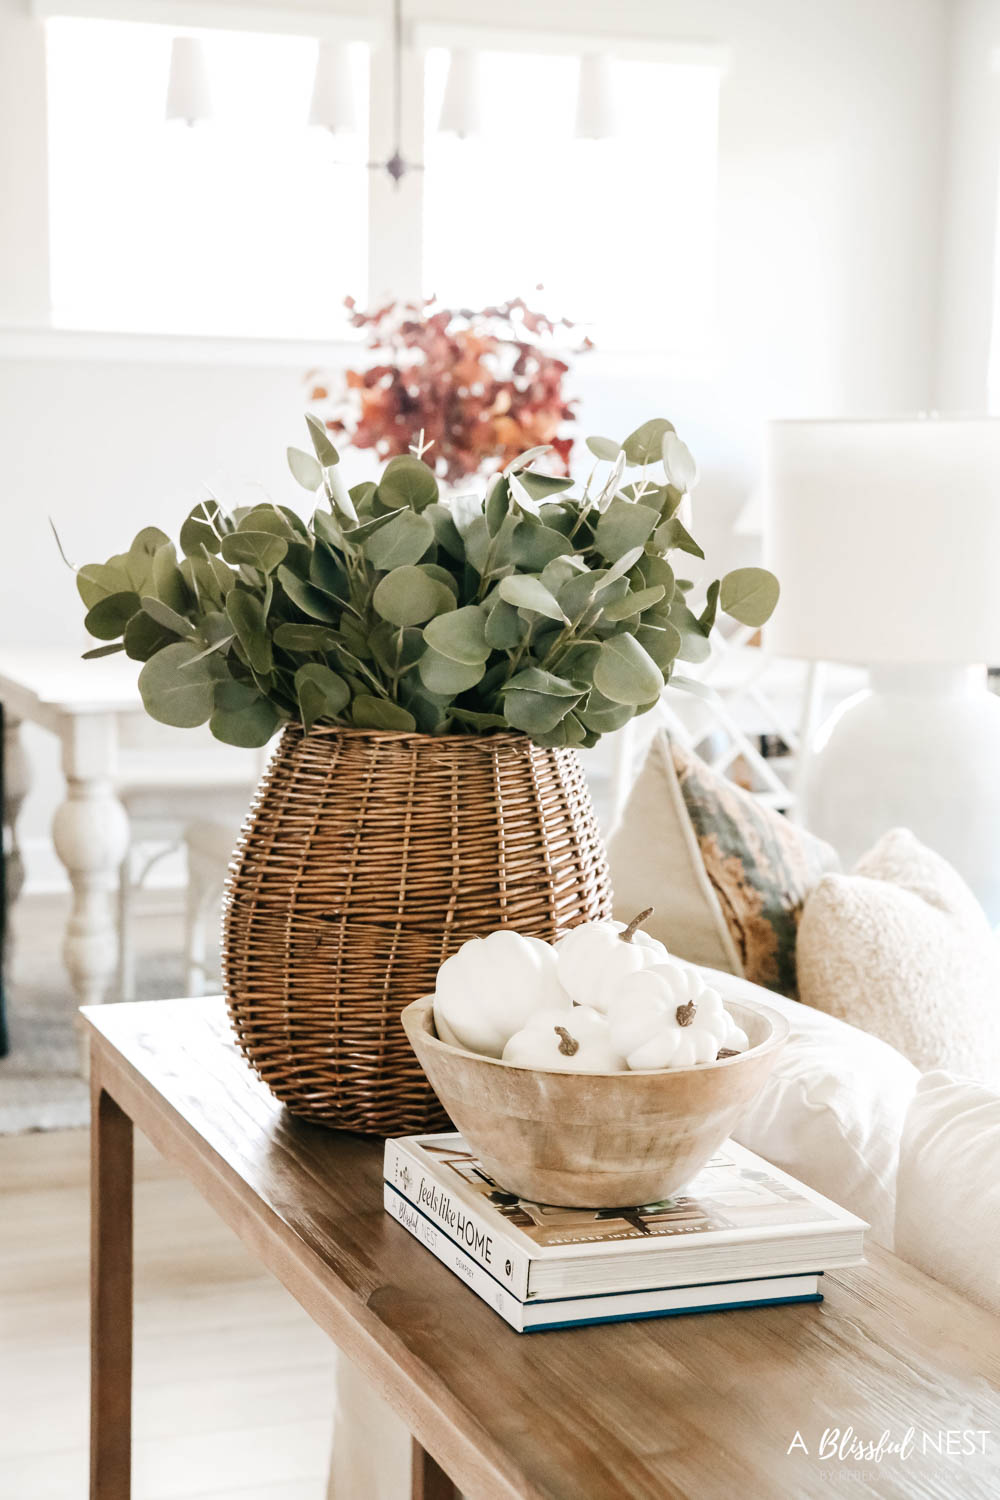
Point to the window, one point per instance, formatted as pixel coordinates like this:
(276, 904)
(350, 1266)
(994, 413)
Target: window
(250, 223)
(619, 232)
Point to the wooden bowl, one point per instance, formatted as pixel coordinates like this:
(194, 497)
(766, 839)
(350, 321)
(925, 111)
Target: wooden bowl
(595, 1140)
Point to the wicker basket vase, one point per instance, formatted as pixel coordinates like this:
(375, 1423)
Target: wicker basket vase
(365, 860)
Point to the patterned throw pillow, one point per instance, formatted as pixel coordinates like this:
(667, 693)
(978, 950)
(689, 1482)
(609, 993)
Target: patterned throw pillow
(727, 876)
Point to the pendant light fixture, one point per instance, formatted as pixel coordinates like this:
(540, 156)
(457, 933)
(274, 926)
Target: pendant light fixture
(460, 106)
(397, 165)
(189, 97)
(334, 104)
(595, 101)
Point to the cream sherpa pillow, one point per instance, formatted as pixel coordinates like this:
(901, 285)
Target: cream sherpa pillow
(902, 949)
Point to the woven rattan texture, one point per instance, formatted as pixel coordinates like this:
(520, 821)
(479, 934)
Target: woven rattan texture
(365, 860)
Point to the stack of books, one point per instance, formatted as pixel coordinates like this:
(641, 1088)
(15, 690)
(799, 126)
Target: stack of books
(742, 1234)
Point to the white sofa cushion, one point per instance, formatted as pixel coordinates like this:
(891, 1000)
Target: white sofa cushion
(948, 1200)
(902, 947)
(832, 1111)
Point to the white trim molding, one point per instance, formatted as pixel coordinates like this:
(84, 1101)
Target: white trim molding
(174, 349)
(473, 38)
(217, 15)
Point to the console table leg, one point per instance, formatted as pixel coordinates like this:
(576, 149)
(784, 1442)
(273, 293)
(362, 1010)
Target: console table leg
(430, 1482)
(110, 1297)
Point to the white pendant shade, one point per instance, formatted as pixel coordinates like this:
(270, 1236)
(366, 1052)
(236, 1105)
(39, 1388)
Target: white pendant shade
(460, 108)
(885, 537)
(334, 105)
(189, 97)
(595, 102)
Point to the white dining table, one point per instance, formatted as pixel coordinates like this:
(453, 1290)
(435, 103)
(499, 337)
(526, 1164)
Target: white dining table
(83, 705)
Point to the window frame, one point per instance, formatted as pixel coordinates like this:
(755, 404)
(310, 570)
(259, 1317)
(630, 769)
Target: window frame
(395, 211)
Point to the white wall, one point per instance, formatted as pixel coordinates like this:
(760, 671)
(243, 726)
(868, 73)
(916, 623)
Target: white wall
(832, 129)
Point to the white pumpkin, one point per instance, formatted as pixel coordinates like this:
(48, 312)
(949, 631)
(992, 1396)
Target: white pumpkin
(668, 1017)
(488, 989)
(574, 1041)
(595, 957)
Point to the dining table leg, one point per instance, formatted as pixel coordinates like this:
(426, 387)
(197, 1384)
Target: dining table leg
(90, 832)
(111, 1178)
(429, 1481)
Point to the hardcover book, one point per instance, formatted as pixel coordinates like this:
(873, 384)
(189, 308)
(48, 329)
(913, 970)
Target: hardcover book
(567, 1312)
(739, 1218)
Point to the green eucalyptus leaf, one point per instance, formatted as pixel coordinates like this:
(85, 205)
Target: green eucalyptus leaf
(707, 617)
(407, 480)
(405, 539)
(481, 723)
(397, 648)
(694, 645)
(200, 532)
(243, 716)
(108, 618)
(460, 635)
(249, 620)
(534, 546)
(144, 636)
(678, 463)
(441, 674)
(254, 549)
(624, 565)
(696, 688)
(306, 470)
(505, 628)
(167, 579)
(749, 595)
(624, 526)
(633, 603)
(339, 495)
(497, 503)
(326, 453)
(673, 535)
(183, 698)
(537, 680)
(409, 596)
(544, 486)
(357, 534)
(604, 448)
(321, 693)
(645, 444)
(100, 651)
(378, 713)
(97, 581)
(536, 713)
(662, 641)
(526, 592)
(305, 638)
(169, 618)
(521, 460)
(625, 672)
(311, 600)
(602, 715)
(446, 533)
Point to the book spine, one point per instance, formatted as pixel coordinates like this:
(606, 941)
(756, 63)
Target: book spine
(454, 1257)
(473, 1231)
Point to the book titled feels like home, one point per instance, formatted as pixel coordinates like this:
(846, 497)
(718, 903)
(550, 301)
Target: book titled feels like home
(742, 1233)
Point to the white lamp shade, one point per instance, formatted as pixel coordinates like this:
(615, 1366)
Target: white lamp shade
(461, 111)
(189, 97)
(595, 100)
(885, 536)
(334, 104)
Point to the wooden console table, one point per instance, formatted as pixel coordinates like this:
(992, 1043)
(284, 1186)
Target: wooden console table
(687, 1408)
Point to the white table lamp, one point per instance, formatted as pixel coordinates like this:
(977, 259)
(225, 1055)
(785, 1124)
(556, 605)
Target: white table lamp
(886, 538)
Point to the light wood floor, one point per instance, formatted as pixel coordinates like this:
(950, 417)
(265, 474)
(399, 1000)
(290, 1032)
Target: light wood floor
(233, 1383)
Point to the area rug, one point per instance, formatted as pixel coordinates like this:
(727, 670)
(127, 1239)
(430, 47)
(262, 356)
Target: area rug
(41, 1086)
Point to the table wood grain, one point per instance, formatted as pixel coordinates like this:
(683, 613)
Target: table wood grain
(697, 1407)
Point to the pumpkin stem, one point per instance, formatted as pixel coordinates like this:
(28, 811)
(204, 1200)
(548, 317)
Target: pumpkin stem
(635, 924)
(685, 1013)
(568, 1045)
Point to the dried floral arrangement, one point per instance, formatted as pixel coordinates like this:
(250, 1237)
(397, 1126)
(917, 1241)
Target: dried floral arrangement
(527, 608)
(484, 386)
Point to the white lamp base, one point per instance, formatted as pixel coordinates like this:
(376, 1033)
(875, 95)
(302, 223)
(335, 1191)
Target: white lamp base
(919, 749)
